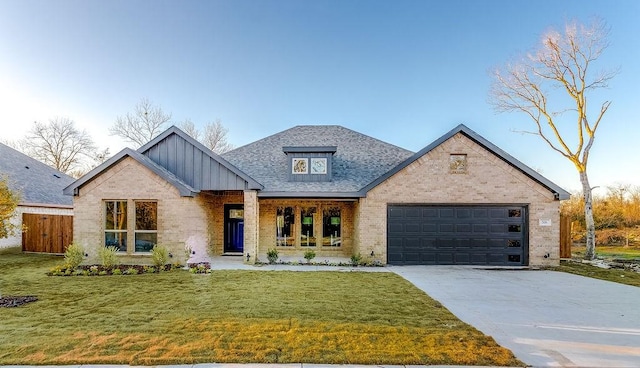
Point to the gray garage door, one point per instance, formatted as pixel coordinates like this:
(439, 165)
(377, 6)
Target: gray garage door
(456, 235)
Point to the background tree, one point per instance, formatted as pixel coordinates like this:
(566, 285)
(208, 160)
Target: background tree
(561, 62)
(142, 125)
(8, 203)
(213, 137)
(59, 144)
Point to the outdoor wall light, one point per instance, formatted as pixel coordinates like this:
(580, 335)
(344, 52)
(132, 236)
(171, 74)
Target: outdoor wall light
(170, 255)
(248, 256)
(372, 254)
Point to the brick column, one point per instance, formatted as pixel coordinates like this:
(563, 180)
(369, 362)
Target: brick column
(251, 224)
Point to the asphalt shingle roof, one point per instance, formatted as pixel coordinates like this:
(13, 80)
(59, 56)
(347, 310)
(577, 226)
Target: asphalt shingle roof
(359, 159)
(36, 182)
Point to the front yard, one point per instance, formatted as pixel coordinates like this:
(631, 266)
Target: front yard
(229, 316)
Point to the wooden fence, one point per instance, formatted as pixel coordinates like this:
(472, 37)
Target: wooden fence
(565, 237)
(46, 233)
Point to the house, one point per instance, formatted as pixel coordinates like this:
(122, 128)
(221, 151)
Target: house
(43, 211)
(460, 200)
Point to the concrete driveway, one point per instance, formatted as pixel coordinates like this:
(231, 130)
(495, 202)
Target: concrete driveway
(548, 319)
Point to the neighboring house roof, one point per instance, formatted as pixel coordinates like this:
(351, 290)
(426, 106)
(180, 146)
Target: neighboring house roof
(358, 160)
(183, 188)
(194, 163)
(37, 183)
(555, 189)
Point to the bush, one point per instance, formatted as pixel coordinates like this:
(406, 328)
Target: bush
(109, 256)
(159, 256)
(309, 255)
(356, 259)
(73, 256)
(116, 271)
(131, 271)
(272, 255)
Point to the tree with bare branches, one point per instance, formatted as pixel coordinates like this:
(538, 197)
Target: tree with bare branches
(551, 85)
(213, 137)
(142, 125)
(60, 145)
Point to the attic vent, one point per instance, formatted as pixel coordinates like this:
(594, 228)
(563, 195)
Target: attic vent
(26, 167)
(57, 176)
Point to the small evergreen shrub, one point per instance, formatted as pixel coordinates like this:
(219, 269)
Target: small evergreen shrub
(272, 255)
(116, 271)
(131, 271)
(159, 255)
(109, 256)
(73, 256)
(309, 255)
(356, 259)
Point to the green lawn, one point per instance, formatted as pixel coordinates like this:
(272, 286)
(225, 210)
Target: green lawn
(610, 252)
(229, 316)
(611, 274)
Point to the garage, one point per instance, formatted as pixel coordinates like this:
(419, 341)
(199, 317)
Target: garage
(457, 235)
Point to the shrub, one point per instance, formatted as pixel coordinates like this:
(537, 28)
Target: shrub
(73, 256)
(131, 271)
(159, 255)
(356, 259)
(116, 271)
(109, 256)
(149, 269)
(272, 255)
(309, 255)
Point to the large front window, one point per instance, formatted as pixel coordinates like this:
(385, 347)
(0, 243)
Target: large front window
(307, 238)
(284, 227)
(115, 227)
(331, 227)
(146, 226)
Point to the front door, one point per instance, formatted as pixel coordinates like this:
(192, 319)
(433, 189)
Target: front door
(233, 228)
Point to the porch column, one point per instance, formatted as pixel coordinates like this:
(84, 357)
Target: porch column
(251, 223)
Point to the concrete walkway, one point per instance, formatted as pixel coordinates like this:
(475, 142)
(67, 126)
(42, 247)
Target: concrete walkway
(548, 319)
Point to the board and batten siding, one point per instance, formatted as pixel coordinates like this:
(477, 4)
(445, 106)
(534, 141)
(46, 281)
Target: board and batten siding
(194, 166)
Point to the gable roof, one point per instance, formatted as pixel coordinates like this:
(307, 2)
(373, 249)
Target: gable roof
(184, 189)
(558, 192)
(36, 182)
(358, 160)
(194, 163)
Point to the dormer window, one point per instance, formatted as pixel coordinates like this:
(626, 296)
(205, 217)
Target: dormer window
(310, 163)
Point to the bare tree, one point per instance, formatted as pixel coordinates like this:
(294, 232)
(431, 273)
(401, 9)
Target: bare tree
(190, 128)
(213, 137)
(59, 144)
(563, 61)
(141, 125)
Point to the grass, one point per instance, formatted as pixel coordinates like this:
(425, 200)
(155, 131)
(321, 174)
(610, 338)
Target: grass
(230, 316)
(610, 252)
(611, 274)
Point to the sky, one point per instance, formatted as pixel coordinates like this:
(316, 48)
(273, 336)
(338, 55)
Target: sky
(405, 72)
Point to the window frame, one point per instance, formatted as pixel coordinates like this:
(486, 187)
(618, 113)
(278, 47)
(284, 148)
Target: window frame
(137, 231)
(124, 230)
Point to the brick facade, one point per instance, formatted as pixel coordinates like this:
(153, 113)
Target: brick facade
(267, 229)
(487, 180)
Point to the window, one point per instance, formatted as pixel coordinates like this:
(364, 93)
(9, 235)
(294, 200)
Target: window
(146, 226)
(331, 227)
(284, 227)
(115, 226)
(458, 163)
(299, 166)
(307, 238)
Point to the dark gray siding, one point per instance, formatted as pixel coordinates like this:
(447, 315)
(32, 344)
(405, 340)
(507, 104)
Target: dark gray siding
(307, 178)
(194, 166)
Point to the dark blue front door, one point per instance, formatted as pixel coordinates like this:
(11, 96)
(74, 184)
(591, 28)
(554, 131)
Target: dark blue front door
(233, 228)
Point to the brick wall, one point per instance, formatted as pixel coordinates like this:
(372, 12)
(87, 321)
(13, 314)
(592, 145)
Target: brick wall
(180, 219)
(488, 180)
(267, 229)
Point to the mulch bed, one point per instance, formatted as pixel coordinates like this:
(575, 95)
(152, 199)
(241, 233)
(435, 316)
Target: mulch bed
(16, 301)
